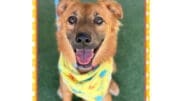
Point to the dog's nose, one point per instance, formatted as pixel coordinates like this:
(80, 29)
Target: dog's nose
(83, 38)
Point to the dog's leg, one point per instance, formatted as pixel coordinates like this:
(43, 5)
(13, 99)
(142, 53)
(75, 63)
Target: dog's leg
(108, 97)
(64, 92)
(114, 88)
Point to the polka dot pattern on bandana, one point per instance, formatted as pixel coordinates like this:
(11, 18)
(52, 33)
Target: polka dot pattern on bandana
(103, 73)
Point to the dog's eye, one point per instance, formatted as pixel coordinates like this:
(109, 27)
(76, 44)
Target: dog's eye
(72, 19)
(98, 20)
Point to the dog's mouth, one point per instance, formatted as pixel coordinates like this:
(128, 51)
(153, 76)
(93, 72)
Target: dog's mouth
(84, 58)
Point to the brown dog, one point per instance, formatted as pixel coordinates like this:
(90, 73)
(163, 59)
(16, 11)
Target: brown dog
(87, 36)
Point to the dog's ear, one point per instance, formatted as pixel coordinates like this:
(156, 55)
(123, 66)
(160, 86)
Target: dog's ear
(113, 7)
(63, 4)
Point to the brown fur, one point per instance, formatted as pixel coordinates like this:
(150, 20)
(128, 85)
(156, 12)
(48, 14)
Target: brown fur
(111, 11)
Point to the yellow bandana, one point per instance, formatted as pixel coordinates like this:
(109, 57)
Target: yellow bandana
(91, 86)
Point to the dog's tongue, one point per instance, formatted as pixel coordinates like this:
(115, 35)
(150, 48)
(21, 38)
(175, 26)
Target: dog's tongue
(84, 56)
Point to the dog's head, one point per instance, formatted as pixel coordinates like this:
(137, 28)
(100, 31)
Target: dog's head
(87, 32)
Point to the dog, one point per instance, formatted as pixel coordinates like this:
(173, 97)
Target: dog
(87, 42)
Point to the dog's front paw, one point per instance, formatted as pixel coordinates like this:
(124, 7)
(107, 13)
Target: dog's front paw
(114, 88)
(59, 93)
